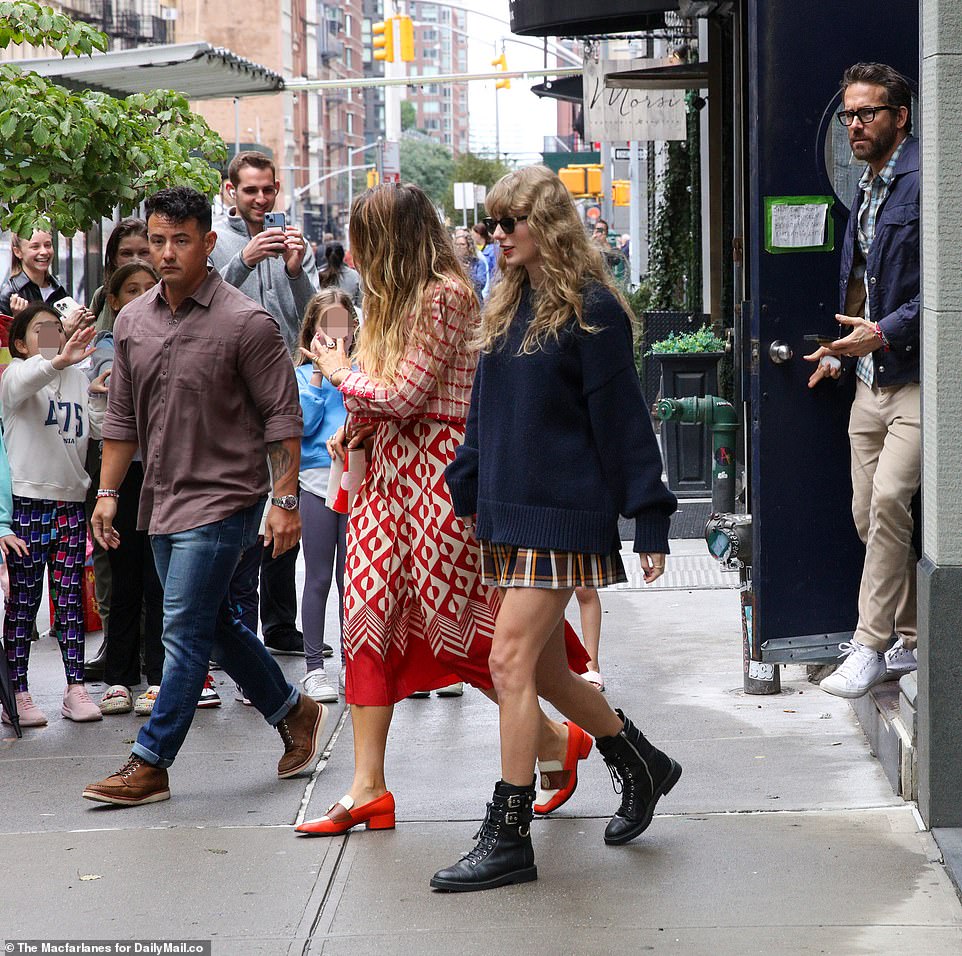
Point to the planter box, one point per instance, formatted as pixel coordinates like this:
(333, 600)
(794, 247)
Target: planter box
(687, 445)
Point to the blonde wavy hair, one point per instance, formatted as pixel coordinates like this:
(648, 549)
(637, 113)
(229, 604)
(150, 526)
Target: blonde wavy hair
(401, 250)
(569, 260)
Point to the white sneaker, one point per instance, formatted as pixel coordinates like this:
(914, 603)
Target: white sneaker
(318, 687)
(899, 660)
(451, 690)
(861, 670)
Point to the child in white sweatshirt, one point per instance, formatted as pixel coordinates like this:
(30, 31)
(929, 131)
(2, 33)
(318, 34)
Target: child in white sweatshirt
(48, 419)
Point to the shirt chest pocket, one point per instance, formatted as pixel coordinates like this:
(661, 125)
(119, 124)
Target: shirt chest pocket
(198, 365)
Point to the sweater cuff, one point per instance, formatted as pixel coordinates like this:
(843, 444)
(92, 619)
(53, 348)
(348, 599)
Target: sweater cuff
(651, 534)
(464, 496)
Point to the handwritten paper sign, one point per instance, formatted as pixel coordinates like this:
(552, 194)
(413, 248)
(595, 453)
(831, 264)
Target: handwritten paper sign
(798, 224)
(795, 227)
(624, 115)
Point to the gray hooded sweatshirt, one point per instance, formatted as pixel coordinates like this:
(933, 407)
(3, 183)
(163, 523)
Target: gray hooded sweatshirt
(268, 282)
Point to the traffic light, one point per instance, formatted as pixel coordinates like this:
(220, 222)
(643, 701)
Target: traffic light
(582, 179)
(372, 178)
(406, 29)
(621, 192)
(501, 63)
(383, 40)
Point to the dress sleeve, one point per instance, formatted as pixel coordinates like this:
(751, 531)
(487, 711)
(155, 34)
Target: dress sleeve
(453, 310)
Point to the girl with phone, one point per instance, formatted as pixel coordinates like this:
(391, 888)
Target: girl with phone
(416, 615)
(48, 421)
(557, 362)
(323, 531)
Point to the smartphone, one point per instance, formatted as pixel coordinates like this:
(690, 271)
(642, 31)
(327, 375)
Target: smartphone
(820, 338)
(275, 220)
(66, 306)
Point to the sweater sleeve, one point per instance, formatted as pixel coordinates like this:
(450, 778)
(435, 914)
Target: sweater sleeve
(25, 378)
(621, 424)
(6, 494)
(313, 405)
(461, 474)
(417, 378)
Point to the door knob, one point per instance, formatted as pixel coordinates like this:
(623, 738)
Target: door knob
(780, 352)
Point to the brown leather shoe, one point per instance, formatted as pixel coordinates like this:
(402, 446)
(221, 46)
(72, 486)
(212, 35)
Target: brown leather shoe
(136, 782)
(301, 732)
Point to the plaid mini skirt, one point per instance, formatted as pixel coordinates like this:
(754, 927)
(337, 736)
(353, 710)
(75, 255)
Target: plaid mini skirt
(508, 566)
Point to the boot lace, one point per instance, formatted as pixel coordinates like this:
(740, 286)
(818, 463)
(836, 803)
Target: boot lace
(487, 837)
(286, 735)
(129, 767)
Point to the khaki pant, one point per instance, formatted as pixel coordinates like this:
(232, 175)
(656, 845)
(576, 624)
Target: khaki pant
(885, 435)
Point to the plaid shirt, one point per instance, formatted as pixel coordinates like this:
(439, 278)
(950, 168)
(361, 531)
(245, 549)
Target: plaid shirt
(875, 190)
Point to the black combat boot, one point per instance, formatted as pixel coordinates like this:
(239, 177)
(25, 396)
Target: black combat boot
(503, 854)
(643, 774)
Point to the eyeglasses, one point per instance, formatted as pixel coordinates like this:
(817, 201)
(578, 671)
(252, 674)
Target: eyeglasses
(507, 224)
(865, 115)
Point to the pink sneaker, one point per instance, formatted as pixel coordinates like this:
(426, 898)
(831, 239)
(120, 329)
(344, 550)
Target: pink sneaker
(78, 706)
(30, 714)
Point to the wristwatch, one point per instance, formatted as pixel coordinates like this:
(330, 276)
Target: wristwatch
(287, 502)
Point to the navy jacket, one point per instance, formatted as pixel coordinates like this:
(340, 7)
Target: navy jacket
(893, 271)
(560, 442)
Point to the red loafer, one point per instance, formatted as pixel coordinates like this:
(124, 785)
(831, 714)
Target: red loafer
(559, 780)
(378, 815)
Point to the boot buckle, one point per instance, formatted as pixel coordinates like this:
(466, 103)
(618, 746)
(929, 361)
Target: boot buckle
(514, 800)
(511, 819)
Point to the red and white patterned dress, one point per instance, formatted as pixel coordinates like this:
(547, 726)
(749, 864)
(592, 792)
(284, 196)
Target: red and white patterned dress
(416, 615)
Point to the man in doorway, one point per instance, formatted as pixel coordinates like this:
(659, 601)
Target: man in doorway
(879, 295)
(203, 385)
(276, 268)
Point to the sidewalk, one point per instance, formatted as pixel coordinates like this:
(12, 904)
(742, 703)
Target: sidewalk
(783, 836)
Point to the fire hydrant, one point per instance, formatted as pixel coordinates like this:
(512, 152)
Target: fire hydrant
(721, 418)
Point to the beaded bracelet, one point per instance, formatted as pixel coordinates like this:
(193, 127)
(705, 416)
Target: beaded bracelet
(881, 335)
(340, 368)
(107, 493)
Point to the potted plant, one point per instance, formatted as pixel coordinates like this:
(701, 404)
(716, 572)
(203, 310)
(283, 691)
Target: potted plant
(689, 368)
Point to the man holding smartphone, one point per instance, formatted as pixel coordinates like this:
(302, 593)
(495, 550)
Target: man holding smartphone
(879, 295)
(275, 267)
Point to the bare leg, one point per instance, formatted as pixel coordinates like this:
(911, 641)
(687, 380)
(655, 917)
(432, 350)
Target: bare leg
(527, 619)
(552, 735)
(589, 605)
(371, 726)
(572, 695)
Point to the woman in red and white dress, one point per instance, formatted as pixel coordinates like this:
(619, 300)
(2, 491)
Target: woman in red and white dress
(416, 615)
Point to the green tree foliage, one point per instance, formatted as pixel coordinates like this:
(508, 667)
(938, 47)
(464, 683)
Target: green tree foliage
(469, 168)
(409, 115)
(427, 164)
(67, 159)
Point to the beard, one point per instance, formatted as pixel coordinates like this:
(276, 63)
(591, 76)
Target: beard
(870, 150)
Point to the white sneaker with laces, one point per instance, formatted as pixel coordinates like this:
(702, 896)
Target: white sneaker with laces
(861, 670)
(899, 661)
(318, 687)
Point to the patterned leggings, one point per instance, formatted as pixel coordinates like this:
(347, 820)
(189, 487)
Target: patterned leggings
(56, 534)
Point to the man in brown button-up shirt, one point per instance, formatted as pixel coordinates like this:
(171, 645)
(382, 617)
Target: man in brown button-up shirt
(203, 385)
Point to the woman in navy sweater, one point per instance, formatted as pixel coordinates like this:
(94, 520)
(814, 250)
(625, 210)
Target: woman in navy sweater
(558, 443)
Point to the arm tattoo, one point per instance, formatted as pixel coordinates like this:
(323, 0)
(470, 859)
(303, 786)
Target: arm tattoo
(281, 461)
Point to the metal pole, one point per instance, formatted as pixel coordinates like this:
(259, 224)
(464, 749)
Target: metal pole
(634, 212)
(236, 125)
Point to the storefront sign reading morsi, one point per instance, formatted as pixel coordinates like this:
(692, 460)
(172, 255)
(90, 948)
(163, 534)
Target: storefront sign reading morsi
(617, 115)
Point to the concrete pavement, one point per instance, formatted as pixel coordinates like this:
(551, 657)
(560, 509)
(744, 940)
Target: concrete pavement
(783, 836)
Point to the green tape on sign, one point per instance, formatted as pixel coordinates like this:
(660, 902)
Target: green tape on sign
(799, 224)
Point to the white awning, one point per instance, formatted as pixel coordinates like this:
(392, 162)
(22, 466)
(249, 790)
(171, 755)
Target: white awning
(198, 70)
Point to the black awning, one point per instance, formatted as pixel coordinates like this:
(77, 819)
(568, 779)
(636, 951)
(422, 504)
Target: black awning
(542, 18)
(682, 76)
(567, 88)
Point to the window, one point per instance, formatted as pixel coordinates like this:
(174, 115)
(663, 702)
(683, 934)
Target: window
(431, 106)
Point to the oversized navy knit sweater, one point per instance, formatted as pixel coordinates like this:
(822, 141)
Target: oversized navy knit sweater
(560, 442)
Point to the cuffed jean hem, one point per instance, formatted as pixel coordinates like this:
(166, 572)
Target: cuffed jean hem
(148, 756)
(281, 712)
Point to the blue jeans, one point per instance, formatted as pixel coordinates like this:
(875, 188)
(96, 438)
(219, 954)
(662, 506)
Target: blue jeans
(195, 568)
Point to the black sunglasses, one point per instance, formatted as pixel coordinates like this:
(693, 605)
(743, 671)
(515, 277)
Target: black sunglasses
(507, 224)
